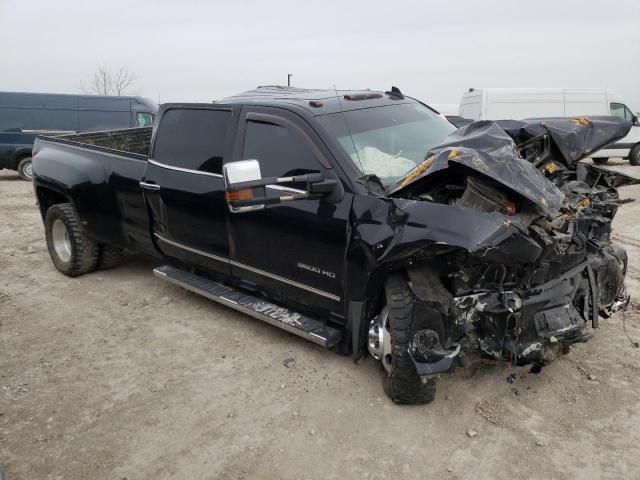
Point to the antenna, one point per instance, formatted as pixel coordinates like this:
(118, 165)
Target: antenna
(355, 149)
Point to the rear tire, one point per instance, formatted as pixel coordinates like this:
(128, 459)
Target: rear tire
(110, 257)
(24, 169)
(72, 252)
(600, 161)
(634, 156)
(402, 383)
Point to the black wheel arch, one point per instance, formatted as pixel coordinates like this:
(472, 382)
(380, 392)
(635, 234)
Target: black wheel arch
(47, 197)
(366, 305)
(373, 295)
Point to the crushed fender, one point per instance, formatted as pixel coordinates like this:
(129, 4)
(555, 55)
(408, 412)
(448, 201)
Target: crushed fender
(506, 236)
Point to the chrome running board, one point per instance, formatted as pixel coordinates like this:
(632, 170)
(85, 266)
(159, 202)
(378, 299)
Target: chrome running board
(309, 328)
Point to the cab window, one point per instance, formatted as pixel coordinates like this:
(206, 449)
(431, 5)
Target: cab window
(280, 152)
(193, 139)
(622, 111)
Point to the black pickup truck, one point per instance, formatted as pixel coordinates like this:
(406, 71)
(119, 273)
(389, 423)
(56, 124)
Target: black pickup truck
(359, 220)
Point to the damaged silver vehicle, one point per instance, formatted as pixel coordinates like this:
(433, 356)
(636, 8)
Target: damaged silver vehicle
(506, 239)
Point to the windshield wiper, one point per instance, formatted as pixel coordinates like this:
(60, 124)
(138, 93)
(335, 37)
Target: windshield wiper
(414, 173)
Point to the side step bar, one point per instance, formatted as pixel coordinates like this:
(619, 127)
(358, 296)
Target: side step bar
(314, 330)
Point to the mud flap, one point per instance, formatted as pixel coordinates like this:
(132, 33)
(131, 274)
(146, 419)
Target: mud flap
(357, 328)
(432, 362)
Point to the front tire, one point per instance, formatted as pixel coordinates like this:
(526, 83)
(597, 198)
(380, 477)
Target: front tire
(25, 170)
(600, 161)
(72, 252)
(401, 382)
(634, 156)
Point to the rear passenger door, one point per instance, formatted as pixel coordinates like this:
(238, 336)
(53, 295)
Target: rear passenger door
(184, 187)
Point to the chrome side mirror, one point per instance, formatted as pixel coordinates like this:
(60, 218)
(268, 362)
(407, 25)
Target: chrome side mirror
(245, 189)
(239, 172)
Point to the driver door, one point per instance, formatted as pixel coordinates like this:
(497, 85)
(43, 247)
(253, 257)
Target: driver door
(294, 249)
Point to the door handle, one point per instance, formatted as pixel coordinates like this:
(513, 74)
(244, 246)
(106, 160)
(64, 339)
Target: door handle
(149, 186)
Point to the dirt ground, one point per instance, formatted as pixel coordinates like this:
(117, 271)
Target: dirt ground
(118, 375)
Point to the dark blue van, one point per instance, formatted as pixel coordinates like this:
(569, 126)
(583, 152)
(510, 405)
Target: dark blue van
(23, 116)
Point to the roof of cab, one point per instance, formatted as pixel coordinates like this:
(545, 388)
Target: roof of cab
(316, 101)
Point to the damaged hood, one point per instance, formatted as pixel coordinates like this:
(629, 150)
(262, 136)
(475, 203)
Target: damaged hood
(492, 149)
(573, 138)
(487, 149)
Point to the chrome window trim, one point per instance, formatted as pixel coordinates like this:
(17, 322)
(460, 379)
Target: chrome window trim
(218, 175)
(185, 170)
(251, 269)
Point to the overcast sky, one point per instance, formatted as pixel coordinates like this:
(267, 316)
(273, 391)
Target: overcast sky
(197, 50)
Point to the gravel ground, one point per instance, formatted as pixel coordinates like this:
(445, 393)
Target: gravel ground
(118, 375)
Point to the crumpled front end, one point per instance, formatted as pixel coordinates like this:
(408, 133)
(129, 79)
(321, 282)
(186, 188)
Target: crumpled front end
(550, 271)
(523, 314)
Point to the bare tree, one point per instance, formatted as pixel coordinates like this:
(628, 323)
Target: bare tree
(112, 82)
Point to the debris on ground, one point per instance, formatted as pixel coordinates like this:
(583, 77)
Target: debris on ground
(491, 411)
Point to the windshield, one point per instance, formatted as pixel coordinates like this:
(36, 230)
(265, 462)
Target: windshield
(388, 141)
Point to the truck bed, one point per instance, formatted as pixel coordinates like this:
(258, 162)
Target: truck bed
(103, 169)
(132, 142)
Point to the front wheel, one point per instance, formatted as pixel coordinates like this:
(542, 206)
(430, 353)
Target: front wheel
(634, 156)
(72, 252)
(600, 161)
(401, 382)
(25, 170)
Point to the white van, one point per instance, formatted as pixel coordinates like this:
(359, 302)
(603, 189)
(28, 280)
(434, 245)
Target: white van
(519, 103)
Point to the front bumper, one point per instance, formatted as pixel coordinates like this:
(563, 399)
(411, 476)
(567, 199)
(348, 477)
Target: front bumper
(532, 325)
(522, 327)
